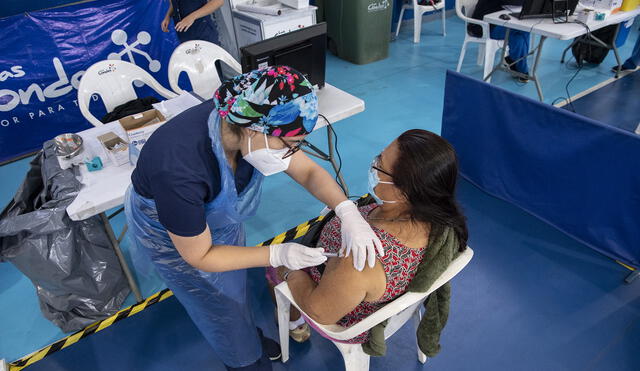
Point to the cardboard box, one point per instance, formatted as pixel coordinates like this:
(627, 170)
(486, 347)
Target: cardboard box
(585, 15)
(117, 148)
(139, 128)
(142, 123)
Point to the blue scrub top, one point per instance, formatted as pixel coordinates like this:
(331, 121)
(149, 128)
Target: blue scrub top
(202, 29)
(179, 171)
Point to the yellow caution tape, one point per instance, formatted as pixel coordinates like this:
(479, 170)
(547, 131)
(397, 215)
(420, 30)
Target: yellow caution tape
(23, 362)
(626, 266)
(89, 330)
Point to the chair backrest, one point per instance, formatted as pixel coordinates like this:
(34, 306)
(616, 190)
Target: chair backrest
(398, 311)
(428, 4)
(402, 316)
(112, 80)
(465, 8)
(197, 58)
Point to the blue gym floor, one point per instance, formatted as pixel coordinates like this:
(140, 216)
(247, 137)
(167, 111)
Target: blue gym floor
(532, 298)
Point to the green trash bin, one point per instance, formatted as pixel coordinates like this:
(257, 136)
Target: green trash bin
(359, 31)
(320, 10)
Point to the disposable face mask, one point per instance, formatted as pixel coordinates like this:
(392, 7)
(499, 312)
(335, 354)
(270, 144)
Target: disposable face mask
(374, 180)
(268, 161)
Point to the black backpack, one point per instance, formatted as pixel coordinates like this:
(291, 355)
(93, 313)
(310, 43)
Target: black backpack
(587, 52)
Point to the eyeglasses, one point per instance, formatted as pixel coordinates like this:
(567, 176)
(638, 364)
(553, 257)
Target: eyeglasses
(376, 165)
(292, 148)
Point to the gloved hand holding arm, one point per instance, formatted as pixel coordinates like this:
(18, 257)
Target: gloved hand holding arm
(357, 236)
(295, 256)
(198, 252)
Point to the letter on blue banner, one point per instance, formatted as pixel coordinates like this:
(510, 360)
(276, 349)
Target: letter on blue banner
(45, 53)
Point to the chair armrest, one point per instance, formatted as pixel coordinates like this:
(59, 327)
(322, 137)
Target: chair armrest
(396, 306)
(334, 331)
(166, 93)
(282, 290)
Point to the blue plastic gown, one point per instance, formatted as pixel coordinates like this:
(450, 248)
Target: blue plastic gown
(216, 302)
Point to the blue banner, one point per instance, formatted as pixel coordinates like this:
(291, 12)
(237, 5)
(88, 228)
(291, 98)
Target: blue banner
(44, 55)
(577, 174)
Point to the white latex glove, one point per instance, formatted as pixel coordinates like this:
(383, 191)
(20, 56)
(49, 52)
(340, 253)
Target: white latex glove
(295, 256)
(357, 236)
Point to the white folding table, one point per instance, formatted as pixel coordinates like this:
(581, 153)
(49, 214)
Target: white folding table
(105, 189)
(545, 27)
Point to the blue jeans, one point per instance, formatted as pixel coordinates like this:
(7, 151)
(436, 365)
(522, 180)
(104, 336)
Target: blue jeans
(518, 45)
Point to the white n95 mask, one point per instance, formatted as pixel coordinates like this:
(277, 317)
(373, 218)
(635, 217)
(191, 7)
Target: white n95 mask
(268, 161)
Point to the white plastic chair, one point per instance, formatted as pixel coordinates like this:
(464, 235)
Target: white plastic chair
(112, 80)
(418, 12)
(198, 59)
(487, 48)
(398, 312)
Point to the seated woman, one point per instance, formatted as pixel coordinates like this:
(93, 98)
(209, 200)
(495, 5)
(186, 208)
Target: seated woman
(413, 182)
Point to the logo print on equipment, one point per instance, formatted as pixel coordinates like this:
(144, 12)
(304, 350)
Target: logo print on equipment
(195, 50)
(111, 68)
(378, 6)
(119, 37)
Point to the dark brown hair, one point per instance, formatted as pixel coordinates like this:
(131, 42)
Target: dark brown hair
(426, 171)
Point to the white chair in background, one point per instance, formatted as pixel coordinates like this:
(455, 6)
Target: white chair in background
(398, 312)
(197, 59)
(487, 47)
(112, 80)
(418, 12)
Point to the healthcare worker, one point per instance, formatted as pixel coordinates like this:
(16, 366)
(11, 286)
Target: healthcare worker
(192, 19)
(198, 178)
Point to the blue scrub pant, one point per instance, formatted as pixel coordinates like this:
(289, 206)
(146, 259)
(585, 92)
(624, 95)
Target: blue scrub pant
(202, 29)
(518, 45)
(634, 60)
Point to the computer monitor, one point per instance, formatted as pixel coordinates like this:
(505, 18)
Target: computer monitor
(303, 49)
(547, 8)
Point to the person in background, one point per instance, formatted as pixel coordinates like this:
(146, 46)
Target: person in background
(192, 19)
(518, 40)
(633, 61)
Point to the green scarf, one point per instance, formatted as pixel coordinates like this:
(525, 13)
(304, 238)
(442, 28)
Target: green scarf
(442, 250)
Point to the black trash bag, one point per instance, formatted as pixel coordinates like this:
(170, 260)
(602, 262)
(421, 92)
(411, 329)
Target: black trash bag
(76, 273)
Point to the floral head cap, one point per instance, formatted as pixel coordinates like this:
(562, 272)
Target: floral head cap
(277, 101)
